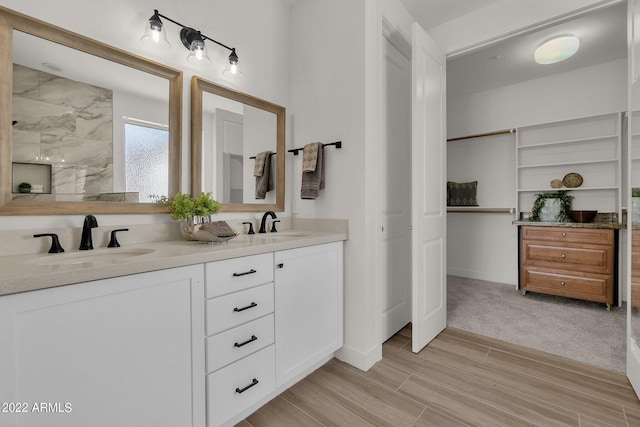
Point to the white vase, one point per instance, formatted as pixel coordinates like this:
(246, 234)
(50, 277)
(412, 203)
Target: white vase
(187, 226)
(550, 211)
(635, 210)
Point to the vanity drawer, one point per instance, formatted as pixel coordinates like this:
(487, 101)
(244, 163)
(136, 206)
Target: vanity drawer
(227, 392)
(240, 307)
(232, 275)
(575, 257)
(591, 236)
(589, 287)
(236, 343)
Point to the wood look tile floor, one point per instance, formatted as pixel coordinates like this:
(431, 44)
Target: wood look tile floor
(460, 379)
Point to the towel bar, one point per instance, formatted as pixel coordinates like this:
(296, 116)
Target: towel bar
(338, 145)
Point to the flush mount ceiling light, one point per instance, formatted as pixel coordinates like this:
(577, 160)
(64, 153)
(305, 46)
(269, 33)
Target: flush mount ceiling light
(193, 40)
(556, 50)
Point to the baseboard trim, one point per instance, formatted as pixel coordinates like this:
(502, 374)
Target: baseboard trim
(482, 275)
(355, 358)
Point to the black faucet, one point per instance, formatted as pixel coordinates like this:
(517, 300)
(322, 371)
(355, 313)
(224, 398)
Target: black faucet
(86, 242)
(263, 223)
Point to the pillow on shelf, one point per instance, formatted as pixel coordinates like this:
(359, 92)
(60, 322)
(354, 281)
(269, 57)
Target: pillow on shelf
(462, 193)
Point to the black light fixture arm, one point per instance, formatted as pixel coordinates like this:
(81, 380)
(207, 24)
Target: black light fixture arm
(191, 30)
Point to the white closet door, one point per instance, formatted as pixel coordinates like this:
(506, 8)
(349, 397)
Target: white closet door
(429, 296)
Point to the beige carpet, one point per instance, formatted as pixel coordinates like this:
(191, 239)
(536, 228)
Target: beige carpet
(579, 330)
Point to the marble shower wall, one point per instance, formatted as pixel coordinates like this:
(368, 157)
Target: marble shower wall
(67, 124)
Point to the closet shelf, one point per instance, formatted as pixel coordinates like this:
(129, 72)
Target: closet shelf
(584, 162)
(479, 209)
(547, 189)
(567, 141)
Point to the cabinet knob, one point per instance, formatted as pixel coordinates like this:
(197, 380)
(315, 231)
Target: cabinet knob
(564, 234)
(563, 283)
(563, 256)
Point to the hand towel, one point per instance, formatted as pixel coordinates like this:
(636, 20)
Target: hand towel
(218, 228)
(264, 177)
(310, 156)
(313, 182)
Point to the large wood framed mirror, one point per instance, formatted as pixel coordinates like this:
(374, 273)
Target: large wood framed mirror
(92, 128)
(229, 130)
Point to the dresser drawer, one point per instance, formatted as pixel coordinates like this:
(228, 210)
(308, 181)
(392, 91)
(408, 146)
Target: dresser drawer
(232, 275)
(241, 307)
(569, 235)
(590, 287)
(231, 390)
(575, 257)
(227, 347)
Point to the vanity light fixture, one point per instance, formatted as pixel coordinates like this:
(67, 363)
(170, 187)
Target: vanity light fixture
(556, 50)
(193, 40)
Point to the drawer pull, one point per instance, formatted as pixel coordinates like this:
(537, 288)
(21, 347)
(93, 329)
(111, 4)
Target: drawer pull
(563, 256)
(564, 234)
(238, 310)
(243, 389)
(245, 273)
(250, 340)
(563, 283)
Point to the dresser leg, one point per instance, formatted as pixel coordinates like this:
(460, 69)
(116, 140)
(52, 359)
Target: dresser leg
(608, 307)
(524, 293)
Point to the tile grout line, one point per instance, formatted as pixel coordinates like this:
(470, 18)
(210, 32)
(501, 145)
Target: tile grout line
(302, 410)
(403, 383)
(567, 387)
(491, 404)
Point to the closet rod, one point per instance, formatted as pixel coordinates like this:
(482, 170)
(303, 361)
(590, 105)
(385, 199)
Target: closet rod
(338, 145)
(272, 154)
(480, 135)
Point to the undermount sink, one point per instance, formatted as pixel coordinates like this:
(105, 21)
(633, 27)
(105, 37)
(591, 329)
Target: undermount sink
(92, 257)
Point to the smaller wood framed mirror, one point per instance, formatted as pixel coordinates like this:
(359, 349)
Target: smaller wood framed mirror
(230, 131)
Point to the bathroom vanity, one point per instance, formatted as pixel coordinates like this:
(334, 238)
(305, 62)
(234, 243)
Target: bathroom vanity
(190, 335)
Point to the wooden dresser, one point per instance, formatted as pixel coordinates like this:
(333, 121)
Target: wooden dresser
(571, 262)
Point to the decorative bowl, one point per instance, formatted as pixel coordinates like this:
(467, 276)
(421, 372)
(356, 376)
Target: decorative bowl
(582, 216)
(572, 180)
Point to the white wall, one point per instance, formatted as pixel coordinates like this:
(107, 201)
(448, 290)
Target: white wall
(328, 100)
(258, 29)
(589, 91)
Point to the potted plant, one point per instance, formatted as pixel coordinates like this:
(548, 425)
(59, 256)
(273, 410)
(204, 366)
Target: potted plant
(24, 187)
(553, 206)
(189, 211)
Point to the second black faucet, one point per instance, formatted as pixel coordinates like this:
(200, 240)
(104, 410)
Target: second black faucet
(263, 223)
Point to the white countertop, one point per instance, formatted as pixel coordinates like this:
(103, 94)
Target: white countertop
(28, 272)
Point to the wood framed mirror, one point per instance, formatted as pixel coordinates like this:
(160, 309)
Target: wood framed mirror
(56, 166)
(229, 129)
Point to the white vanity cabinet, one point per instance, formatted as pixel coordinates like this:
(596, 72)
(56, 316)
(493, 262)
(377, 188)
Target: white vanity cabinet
(309, 309)
(114, 352)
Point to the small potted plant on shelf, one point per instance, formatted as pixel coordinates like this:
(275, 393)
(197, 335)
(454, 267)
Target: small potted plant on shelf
(552, 207)
(190, 211)
(24, 187)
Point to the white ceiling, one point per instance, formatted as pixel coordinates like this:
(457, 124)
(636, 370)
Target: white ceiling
(602, 36)
(430, 13)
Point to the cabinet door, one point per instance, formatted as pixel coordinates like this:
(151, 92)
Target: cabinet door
(114, 352)
(308, 310)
